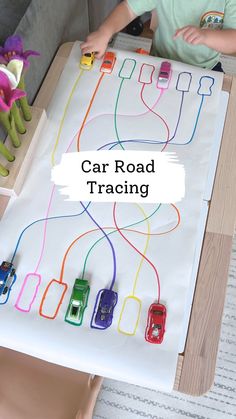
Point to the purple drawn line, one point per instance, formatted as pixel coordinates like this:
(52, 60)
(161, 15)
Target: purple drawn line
(53, 188)
(50, 204)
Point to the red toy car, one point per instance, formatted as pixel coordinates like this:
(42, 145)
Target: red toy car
(164, 75)
(108, 62)
(155, 329)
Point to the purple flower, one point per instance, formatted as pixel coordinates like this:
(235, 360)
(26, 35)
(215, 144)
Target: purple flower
(13, 48)
(7, 95)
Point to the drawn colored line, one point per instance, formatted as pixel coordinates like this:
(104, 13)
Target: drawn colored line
(64, 116)
(60, 129)
(45, 230)
(121, 115)
(116, 107)
(53, 188)
(138, 251)
(122, 312)
(96, 229)
(88, 110)
(151, 76)
(60, 301)
(125, 115)
(158, 115)
(52, 162)
(118, 138)
(109, 241)
(17, 303)
(55, 217)
(127, 228)
(145, 249)
(122, 67)
(132, 296)
(142, 141)
(51, 195)
(56, 143)
(115, 113)
(113, 144)
(78, 148)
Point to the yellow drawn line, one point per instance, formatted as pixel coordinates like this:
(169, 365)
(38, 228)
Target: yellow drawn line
(63, 117)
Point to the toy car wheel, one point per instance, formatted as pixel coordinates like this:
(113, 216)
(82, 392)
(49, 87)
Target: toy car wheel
(13, 272)
(135, 27)
(5, 290)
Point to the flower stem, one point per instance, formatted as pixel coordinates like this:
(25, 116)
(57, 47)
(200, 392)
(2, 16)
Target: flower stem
(18, 120)
(24, 101)
(5, 152)
(3, 171)
(9, 124)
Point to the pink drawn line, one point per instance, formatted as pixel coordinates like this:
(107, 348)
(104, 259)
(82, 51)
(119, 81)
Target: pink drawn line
(124, 115)
(47, 214)
(35, 273)
(22, 289)
(158, 115)
(131, 115)
(53, 188)
(51, 199)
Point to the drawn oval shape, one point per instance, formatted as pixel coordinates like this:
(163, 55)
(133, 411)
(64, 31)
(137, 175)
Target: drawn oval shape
(130, 315)
(28, 292)
(52, 299)
(127, 68)
(184, 81)
(205, 85)
(146, 73)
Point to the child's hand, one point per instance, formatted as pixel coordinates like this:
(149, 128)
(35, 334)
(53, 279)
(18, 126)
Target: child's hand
(96, 42)
(192, 35)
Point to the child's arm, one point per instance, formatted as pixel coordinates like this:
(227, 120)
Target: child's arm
(223, 40)
(97, 41)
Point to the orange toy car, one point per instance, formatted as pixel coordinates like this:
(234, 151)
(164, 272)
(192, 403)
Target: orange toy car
(142, 51)
(108, 62)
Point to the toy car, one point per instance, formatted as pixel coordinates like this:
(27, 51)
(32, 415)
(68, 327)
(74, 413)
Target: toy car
(155, 329)
(107, 303)
(78, 302)
(164, 75)
(7, 276)
(108, 62)
(86, 61)
(142, 51)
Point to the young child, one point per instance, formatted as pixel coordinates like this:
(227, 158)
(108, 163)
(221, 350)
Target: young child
(194, 32)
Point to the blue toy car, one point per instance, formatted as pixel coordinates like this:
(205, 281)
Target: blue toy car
(107, 303)
(7, 277)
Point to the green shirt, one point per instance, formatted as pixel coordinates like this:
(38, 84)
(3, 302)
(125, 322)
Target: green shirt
(174, 14)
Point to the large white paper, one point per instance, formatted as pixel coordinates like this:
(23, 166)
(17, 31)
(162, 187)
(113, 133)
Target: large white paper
(188, 109)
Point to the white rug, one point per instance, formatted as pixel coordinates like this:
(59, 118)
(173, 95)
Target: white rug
(118, 400)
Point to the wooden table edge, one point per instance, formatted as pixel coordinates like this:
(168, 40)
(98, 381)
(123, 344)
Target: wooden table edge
(201, 347)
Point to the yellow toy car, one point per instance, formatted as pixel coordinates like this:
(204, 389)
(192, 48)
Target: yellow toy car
(86, 61)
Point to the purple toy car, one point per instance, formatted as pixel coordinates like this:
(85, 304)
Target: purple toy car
(106, 305)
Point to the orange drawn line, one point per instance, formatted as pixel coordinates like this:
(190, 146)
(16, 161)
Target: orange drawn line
(88, 110)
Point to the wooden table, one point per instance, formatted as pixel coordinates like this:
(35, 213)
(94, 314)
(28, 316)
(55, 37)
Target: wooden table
(196, 365)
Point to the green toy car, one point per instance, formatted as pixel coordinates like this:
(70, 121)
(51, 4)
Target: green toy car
(78, 302)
